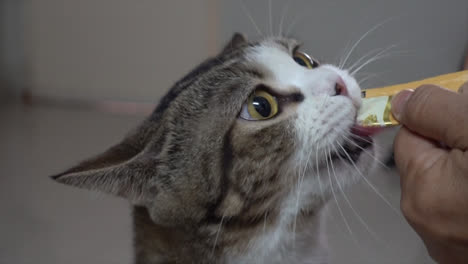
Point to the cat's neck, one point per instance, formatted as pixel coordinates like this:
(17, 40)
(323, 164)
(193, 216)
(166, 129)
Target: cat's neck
(156, 244)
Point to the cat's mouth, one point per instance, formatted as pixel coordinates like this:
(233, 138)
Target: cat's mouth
(352, 150)
(357, 142)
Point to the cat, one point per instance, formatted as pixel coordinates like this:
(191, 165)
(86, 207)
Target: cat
(239, 158)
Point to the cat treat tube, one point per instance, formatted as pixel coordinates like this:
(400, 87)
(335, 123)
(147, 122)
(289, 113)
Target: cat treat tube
(376, 103)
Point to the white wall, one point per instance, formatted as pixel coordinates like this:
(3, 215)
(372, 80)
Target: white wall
(116, 49)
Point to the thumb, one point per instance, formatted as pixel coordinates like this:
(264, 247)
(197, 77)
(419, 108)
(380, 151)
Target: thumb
(464, 88)
(415, 154)
(435, 113)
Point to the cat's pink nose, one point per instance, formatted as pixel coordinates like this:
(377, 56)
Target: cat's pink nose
(340, 87)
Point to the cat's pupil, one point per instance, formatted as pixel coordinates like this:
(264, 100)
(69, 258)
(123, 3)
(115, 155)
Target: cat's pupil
(262, 106)
(300, 61)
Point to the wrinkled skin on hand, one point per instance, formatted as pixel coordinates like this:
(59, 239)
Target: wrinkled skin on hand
(431, 153)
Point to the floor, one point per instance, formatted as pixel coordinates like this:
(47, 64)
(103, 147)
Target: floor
(44, 222)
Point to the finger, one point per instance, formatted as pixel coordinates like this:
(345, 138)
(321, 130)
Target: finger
(463, 89)
(435, 113)
(414, 154)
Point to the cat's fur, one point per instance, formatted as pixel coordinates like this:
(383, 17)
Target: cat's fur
(210, 187)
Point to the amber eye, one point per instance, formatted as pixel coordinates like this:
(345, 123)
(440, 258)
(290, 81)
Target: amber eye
(305, 60)
(260, 106)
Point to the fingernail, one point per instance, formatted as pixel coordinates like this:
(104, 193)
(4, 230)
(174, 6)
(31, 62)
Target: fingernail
(399, 102)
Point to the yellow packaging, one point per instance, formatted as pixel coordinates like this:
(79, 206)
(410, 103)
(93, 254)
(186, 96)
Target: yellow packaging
(376, 106)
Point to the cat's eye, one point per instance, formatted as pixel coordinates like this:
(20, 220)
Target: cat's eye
(260, 106)
(305, 60)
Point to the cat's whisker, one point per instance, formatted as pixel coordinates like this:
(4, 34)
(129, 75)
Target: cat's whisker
(318, 175)
(365, 140)
(264, 222)
(324, 100)
(381, 54)
(293, 24)
(376, 58)
(373, 53)
(363, 37)
(363, 57)
(249, 16)
(336, 201)
(371, 60)
(371, 76)
(295, 21)
(283, 17)
(345, 51)
(365, 151)
(298, 194)
(270, 19)
(217, 235)
(343, 131)
(366, 226)
(368, 77)
(367, 181)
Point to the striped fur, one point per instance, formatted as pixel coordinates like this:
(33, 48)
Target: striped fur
(209, 187)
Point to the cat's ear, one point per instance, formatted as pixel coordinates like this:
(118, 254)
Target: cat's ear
(236, 41)
(123, 170)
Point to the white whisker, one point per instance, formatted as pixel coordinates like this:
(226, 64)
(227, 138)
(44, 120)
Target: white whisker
(375, 58)
(363, 37)
(270, 17)
(365, 140)
(318, 175)
(217, 235)
(345, 51)
(365, 151)
(367, 181)
(366, 226)
(295, 21)
(374, 52)
(368, 77)
(283, 17)
(298, 194)
(336, 200)
(249, 16)
(342, 131)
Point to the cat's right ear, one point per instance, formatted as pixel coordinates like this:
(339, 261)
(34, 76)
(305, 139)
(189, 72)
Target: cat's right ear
(237, 40)
(123, 170)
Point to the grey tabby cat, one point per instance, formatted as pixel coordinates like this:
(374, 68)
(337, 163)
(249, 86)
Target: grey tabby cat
(238, 159)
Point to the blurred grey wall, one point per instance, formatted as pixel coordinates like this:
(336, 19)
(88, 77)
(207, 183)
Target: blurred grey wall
(431, 36)
(134, 50)
(116, 49)
(12, 60)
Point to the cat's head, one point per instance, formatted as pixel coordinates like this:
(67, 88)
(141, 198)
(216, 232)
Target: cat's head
(241, 136)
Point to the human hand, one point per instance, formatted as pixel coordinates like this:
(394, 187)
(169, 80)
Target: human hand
(431, 153)
(465, 65)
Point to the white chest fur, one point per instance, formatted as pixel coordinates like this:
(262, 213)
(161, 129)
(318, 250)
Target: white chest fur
(292, 240)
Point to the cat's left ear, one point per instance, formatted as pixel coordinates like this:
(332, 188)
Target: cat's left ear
(123, 170)
(237, 40)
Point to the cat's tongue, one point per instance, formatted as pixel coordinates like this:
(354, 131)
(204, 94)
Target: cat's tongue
(365, 131)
